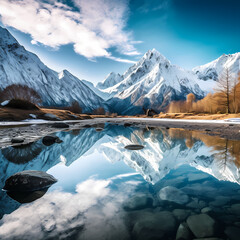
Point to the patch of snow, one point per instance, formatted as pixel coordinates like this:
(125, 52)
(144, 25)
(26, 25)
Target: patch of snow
(50, 115)
(32, 115)
(4, 103)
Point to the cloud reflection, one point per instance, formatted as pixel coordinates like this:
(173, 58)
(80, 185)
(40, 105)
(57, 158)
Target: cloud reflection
(93, 211)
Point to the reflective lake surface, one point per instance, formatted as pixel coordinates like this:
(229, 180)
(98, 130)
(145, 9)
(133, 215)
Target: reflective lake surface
(181, 185)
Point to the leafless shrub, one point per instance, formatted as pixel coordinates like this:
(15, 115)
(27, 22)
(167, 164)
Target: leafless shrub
(22, 92)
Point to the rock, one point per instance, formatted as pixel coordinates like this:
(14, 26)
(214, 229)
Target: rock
(50, 140)
(134, 147)
(60, 125)
(155, 226)
(138, 202)
(220, 201)
(235, 208)
(233, 233)
(127, 124)
(17, 140)
(227, 219)
(173, 194)
(197, 176)
(197, 204)
(206, 210)
(183, 232)
(29, 181)
(26, 197)
(202, 225)
(181, 214)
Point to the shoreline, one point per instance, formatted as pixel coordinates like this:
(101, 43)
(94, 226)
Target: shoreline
(34, 130)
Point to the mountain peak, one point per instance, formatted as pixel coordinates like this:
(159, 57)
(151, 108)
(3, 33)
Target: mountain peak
(111, 79)
(6, 38)
(64, 73)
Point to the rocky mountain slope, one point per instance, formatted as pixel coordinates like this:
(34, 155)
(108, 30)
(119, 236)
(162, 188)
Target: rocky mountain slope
(18, 66)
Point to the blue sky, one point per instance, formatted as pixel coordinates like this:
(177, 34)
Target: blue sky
(93, 38)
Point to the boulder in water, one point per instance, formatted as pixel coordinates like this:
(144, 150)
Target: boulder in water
(202, 225)
(173, 194)
(50, 140)
(27, 181)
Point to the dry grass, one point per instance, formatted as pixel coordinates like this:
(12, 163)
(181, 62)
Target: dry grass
(10, 114)
(200, 116)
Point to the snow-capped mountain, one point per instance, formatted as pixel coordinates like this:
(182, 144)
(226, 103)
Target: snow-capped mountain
(18, 66)
(111, 80)
(153, 82)
(215, 68)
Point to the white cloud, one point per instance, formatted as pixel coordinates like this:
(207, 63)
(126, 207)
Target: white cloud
(97, 26)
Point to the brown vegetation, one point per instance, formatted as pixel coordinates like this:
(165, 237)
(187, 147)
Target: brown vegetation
(23, 92)
(226, 99)
(99, 111)
(75, 107)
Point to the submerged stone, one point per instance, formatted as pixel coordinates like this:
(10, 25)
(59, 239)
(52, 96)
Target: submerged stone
(181, 214)
(233, 233)
(49, 140)
(155, 226)
(138, 202)
(183, 232)
(29, 181)
(134, 147)
(173, 194)
(202, 225)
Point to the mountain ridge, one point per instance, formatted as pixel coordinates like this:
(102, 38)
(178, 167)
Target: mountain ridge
(19, 66)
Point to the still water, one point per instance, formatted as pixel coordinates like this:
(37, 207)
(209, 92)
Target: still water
(181, 185)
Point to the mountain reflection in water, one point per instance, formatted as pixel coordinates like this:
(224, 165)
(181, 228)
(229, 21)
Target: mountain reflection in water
(108, 200)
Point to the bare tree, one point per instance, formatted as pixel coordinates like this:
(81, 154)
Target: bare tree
(75, 107)
(23, 92)
(99, 111)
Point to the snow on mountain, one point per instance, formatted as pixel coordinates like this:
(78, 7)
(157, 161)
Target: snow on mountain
(214, 69)
(152, 83)
(111, 80)
(104, 95)
(18, 66)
